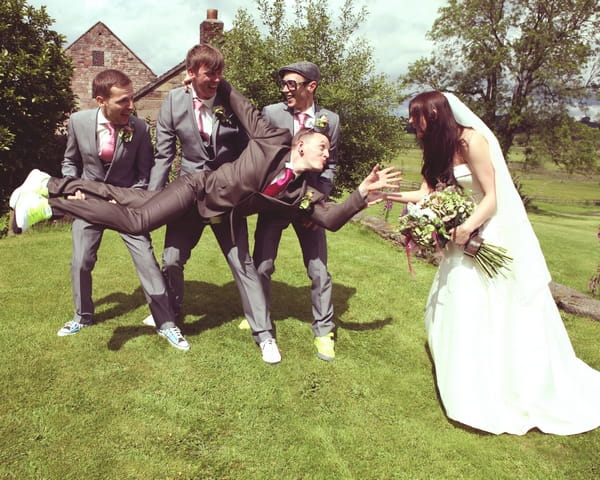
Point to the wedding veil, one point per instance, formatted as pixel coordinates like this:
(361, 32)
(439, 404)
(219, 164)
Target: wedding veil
(509, 226)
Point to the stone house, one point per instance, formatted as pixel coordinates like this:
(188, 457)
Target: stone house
(100, 49)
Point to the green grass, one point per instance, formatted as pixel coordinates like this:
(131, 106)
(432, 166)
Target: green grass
(116, 401)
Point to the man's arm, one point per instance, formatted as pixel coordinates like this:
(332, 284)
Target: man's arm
(72, 165)
(327, 176)
(144, 160)
(166, 146)
(369, 192)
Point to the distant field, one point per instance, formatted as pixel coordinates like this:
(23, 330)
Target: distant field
(549, 187)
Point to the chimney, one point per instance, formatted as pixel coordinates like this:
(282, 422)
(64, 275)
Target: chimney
(211, 28)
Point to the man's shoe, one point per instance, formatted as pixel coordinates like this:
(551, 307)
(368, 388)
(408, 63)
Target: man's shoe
(175, 337)
(30, 209)
(149, 321)
(270, 352)
(244, 325)
(72, 328)
(36, 182)
(325, 347)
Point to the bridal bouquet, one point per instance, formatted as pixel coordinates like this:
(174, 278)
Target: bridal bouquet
(426, 227)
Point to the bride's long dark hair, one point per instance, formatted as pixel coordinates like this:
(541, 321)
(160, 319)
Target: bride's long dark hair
(441, 138)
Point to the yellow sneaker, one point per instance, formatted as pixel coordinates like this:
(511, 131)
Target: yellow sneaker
(244, 325)
(325, 347)
(30, 209)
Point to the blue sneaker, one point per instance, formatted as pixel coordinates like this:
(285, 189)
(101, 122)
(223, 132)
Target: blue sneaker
(72, 328)
(175, 337)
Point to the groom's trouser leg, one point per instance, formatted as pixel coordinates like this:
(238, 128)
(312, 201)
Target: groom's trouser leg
(136, 211)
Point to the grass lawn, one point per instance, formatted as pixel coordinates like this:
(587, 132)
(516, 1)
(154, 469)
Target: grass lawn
(116, 401)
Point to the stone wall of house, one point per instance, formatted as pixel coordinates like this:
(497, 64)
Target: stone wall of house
(148, 105)
(149, 99)
(99, 49)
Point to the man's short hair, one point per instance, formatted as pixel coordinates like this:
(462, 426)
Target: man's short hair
(105, 80)
(206, 55)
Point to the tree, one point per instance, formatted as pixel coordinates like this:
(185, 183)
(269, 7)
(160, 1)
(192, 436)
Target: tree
(518, 63)
(571, 145)
(364, 100)
(35, 93)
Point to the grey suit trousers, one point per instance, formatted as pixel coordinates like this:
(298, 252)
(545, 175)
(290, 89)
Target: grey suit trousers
(313, 244)
(184, 234)
(86, 242)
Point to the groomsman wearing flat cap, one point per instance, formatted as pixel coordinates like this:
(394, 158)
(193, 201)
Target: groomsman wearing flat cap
(298, 83)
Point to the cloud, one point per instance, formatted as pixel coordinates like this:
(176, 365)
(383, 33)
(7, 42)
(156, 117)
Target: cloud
(160, 33)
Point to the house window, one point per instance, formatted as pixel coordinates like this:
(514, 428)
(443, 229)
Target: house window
(97, 58)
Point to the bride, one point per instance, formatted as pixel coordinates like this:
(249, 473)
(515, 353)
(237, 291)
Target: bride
(503, 359)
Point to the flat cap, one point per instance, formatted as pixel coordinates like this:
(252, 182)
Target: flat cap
(307, 69)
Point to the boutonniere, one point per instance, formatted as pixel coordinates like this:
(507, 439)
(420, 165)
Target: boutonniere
(306, 201)
(318, 124)
(126, 134)
(222, 116)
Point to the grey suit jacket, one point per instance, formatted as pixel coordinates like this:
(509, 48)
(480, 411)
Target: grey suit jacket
(282, 116)
(176, 120)
(132, 160)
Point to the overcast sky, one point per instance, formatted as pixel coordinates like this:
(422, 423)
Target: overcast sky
(160, 32)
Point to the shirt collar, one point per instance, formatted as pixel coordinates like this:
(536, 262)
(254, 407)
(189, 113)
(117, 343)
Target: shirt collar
(209, 103)
(310, 111)
(102, 120)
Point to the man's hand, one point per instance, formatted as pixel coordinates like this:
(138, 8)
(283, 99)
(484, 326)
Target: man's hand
(371, 187)
(79, 195)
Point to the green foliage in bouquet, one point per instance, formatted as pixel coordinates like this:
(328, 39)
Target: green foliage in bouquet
(426, 227)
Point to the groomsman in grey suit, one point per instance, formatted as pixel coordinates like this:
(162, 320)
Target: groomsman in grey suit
(299, 82)
(210, 136)
(109, 145)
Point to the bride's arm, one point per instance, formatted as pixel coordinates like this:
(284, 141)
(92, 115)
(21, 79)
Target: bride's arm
(405, 197)
(478, 158)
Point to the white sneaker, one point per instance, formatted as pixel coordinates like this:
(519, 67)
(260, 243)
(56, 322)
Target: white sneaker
(149, 321)
(270, 352)
(35, 182)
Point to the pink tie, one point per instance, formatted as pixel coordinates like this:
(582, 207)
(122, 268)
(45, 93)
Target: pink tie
(301, 119)
(108, 148)
(277, 187)
(198, 109)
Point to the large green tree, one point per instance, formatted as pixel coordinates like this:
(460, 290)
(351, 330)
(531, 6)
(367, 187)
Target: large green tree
(518, 63)
(35, 92)
(349, 86)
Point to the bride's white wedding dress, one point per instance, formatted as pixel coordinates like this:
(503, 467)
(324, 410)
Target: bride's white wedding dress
(503, 359)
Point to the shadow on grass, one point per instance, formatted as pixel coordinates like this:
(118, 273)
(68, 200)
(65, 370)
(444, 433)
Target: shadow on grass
(208, 306)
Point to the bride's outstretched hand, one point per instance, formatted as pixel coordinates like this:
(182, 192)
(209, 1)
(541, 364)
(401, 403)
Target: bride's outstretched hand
(378, 180)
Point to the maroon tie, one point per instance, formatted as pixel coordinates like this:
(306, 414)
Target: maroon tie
(277, 187)
(198, 104)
